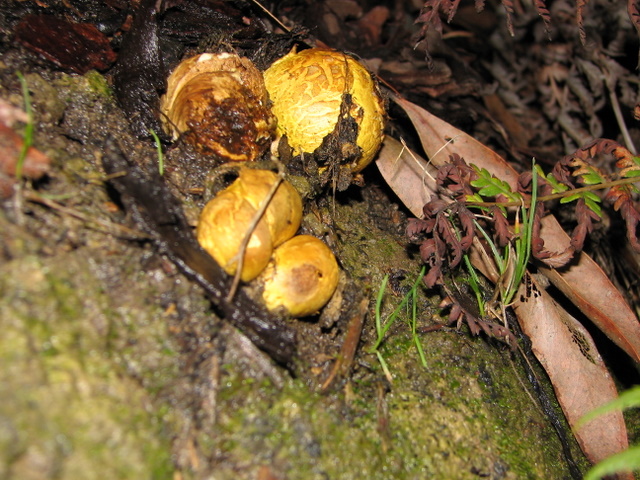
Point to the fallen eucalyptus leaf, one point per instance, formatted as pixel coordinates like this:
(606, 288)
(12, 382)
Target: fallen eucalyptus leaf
(589, 288)
(578, 374)
(407, 173)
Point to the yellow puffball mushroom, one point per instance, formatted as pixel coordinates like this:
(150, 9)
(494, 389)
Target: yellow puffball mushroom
(284, 213)
(218, 103)
(226, 219)
(307, 89)
(301, 276)
(221, 229)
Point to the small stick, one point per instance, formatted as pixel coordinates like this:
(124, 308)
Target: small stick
(126, 232)
(620, 119)
(272, 16)
(252, 226)
(348, 350)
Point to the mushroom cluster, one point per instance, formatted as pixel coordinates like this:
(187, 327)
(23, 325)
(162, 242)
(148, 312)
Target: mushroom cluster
(224, 106)
(298, 273)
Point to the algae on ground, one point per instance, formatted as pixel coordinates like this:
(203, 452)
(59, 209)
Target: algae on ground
(67, 407)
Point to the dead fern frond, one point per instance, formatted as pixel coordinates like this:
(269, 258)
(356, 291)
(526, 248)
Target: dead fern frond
(633, 7)
(543, 11)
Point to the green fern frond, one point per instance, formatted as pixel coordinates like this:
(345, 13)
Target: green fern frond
(490, 187)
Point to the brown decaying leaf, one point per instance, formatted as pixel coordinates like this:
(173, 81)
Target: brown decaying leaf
(441, 139)
(78, 47)
(581, 382)
(35, 165)
(598, 299)
(411, 176)
(579, 376)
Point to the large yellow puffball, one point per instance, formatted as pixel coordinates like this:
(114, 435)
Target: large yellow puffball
(307, 89)
(225, 220)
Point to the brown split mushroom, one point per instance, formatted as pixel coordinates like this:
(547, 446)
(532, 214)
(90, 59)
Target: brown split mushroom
(218, 104)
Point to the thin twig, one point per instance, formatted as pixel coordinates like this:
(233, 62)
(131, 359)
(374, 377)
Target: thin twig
(347, 352)
(620, 119)
(110, 226)
(272, 16)
(252, 226)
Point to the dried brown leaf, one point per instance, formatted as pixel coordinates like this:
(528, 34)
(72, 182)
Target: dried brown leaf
(35, 165)
(543, 11)
(589, 288)
(441, 139)
(580, 6)
(585, 217)
(508, 8)
(580, 379)
(410, 176)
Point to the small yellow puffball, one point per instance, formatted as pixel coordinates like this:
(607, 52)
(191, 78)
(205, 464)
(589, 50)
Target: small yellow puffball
(218, 103)
(301, 276)
(284, 213)
(225, 220)
(307, 90)
(221, 229)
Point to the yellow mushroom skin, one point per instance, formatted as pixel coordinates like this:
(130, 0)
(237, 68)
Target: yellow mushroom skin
(284, 213)
(221, 229)
(226, 219)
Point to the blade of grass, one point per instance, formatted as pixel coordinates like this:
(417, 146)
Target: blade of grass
(383, 327)
(523, 243)
(414, 321)
(159, 150)
(623, 461)
(627, 399)
(474, 283)
(27, 141)
(383, 287)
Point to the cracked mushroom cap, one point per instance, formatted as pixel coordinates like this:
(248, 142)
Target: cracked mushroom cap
(218, 103)
(306, 90)
(301, 276)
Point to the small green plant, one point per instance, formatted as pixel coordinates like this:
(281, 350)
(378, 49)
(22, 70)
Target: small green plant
(156, 140)
(513, 260)
(28, 130)
(627, 460)
(410, 301)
